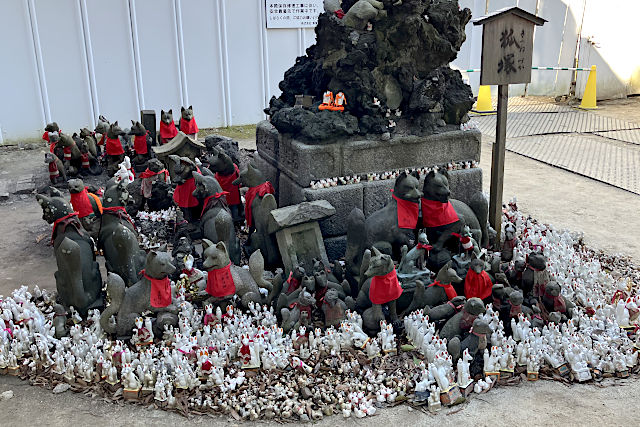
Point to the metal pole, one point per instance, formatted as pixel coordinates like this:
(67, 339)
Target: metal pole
(497, 162)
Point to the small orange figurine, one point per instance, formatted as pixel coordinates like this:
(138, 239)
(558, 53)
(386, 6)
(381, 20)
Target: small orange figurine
(327, 101)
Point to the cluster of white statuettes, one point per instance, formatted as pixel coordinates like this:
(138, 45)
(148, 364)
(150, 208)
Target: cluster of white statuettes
(207, 354)
(381, 176)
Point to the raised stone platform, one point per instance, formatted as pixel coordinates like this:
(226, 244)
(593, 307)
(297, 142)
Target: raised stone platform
(291, 166)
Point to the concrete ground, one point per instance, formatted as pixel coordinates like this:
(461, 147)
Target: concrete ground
(607, 216)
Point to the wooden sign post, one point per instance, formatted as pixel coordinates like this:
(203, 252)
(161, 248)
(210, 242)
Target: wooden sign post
(507, 51)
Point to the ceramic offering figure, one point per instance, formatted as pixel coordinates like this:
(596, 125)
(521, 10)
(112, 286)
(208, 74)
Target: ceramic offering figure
(475, 342)
(299, 313)
(216, 222)
(141, 145)
(167, 127)
(442, 290)
(441, 217)
(188, 122)
(78, 280)
(224, 279)
(535, 275)
(183, 195)
(152, 293)
(389, 228)
(152, 188)
(72, 157)
(102, 127)
(88, 206)
(113, 148)
(51, 128)
(444, 312)
(57, 172)
(510, 242)
(551, 300)
(383, 288)
(226, 172)
(118, 236)
(90, 142)
(333, 308)
(460, 323)
(259, 202)
(413, 261)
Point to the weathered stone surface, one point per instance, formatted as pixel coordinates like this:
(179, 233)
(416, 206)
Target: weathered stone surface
(6, 188)
(302, 240)
(344, 198)
(304, 163)
(464, 183)
(227, 144)
(301, 213)
(268, 170)
(335, 247)
(25, 184)
(289, 193)
(376, 195)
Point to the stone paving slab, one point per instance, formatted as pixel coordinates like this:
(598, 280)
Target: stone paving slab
(626, 135)
(613, 162)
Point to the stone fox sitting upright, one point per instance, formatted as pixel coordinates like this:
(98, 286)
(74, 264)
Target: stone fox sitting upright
(389, 228)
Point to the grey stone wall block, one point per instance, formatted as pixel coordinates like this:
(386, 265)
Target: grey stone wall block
(344, 198)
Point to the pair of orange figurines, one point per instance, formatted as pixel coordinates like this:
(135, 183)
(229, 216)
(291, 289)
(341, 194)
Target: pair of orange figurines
(331, 103)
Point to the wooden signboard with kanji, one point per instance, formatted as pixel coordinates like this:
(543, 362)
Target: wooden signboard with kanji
(507, 52)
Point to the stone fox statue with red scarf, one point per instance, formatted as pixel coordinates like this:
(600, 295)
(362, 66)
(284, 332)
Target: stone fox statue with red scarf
(78, 279)
(216, 222)
(118, 237)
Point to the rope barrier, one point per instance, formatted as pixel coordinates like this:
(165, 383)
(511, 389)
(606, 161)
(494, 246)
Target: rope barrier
(477, 70)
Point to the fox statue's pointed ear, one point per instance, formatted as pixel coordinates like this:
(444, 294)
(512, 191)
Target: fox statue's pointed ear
(115, 123)
(375, 251)
(133, 123)
(190, 107)
(416, 175)
(161, 111)
(170, 111)
(206, 244)
(181, 108)
(221, 246)
(430, 175)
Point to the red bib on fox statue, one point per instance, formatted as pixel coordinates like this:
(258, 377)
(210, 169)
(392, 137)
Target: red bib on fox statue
(385, 288)
(81, 203)
(258, 190)
(167, 132)
(183, 194)
(189, 127)
(140, 144)
(160, 291)
(477, 285)
(436, 214)
(407, 213)
(448, 289)
(114, 147)
(226, 182)
(220, 282)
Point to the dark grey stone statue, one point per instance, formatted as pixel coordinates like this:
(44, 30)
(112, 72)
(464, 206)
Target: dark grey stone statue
(78, 279)
(129, 303)
(118, 237)
(216, 222)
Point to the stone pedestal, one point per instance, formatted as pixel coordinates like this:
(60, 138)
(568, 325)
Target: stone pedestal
(291, 166)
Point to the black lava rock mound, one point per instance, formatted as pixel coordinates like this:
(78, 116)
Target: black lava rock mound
(402, 61)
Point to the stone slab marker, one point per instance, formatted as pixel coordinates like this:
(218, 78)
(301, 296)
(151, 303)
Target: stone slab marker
(298, 233)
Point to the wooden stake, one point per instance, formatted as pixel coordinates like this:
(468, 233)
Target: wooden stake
(497, 162)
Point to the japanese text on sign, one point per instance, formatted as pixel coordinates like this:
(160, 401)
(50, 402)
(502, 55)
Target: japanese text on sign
(514, 52)
(288, 14)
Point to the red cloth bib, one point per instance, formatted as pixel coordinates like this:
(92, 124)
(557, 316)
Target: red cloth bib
(183, 194)
(67, 153)
(103, 139)
(150, 174)
(160, 291)
(258, 190)
(64, 222)
(140, 144)
(168, 131)
(210, 202)
(220, 282)
(53, 170)
(449, 290)
(85, 160)
(45, 136)
(120, 212)
(81, 203)
(226, 182)
(293, 283)
(189, 127)
(436, 214)
(477, 285)
(385, 288)
(407, 213)
(114, 147)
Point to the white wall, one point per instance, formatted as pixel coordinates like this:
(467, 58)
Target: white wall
(71, 60)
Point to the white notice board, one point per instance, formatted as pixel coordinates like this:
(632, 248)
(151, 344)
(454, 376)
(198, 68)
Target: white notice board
(293, 14)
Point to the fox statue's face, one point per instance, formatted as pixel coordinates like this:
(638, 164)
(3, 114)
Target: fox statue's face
(407, 187)
(220, 162)
(380, 264)
(205, 186)
(159, 265)
(137, 129)
(76, 185)
(436, 187)
(215, 255)
(187, 113)
(114, 130)
(166, 116)
(448, 275)
(53, 207)
(474, 306)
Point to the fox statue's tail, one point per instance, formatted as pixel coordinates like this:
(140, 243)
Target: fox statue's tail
(356, 241)
(115, 289)
(480, 208)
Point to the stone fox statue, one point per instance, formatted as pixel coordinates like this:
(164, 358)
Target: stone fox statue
(216, 221)
(151, 293)
(389, 228)
(78, 279)
(118, 236)
(442, 216)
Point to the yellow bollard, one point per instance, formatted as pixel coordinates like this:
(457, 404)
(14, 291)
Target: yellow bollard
(484, 105)
(589, 95)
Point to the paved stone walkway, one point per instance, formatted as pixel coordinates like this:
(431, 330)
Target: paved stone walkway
(599, 147)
